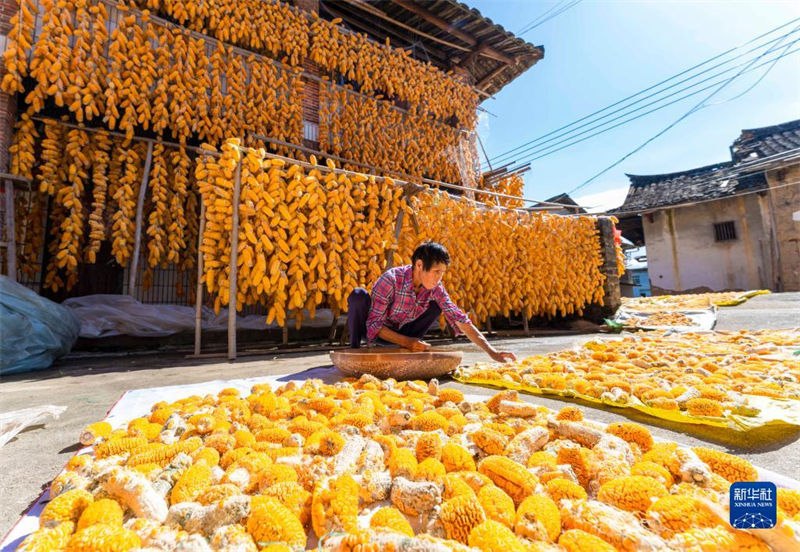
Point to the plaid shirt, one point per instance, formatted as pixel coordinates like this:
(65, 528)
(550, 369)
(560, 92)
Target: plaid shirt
(395, 303)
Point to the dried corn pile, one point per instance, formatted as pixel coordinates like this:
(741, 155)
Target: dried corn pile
(306, 237)
(509, 261)
(375, 465)
(720, 378)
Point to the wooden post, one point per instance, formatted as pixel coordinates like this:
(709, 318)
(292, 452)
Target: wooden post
(234, 257)
(198, 301)
(525, 322)
(285, 333)
(137, 240)
(11, 236)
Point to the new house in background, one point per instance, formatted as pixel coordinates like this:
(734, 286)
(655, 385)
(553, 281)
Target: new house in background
(729, 226)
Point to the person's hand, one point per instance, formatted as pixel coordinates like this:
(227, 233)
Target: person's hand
(418, 346)
(500, 356)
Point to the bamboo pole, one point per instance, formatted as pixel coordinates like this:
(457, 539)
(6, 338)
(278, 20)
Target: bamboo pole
(198, 301)
(137, 240)
(237, 183)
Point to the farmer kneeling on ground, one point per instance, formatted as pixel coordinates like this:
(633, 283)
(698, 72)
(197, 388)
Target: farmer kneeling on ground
(406, 301)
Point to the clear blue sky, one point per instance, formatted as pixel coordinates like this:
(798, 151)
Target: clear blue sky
(599, 52)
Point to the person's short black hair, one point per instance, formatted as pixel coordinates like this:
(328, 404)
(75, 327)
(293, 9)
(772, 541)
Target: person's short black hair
(430, 253)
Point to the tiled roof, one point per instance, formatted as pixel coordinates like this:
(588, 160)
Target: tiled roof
(757, 143)
(716, 181)
(570, 207)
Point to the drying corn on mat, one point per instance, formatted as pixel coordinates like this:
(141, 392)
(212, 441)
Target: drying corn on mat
(739, 380)
(251, 464)
(687, 321)
(691, 312)
(661, 303)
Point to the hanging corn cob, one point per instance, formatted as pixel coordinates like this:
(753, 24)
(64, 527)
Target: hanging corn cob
(23, 146)
(125, 198)
(101, 151)
(20, 41)
(159, 214)
(51, 56)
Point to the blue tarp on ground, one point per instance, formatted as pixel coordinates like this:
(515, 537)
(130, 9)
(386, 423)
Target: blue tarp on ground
(34, 331)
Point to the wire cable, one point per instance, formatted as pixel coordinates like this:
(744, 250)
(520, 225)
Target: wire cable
(659, 84)
(694, 109)
(536, 22)
(576, 139)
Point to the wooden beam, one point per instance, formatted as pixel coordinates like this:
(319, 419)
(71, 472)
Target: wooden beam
(490, 77)
(472, 56)
(370, 26)
(448, 28)
(372, 10)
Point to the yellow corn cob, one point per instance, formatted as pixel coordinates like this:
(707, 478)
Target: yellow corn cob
(430, 469)
(676, 514)
(103, 537)
(728, 466)
(634, 493)
(334, 505)
(495, 537)
(293, 496)
(460, 515)
(94, 432)
(559, 489)
(67, 506)
(576, 540)
(538, 519)
(47, 539)
(191, 483)
(391, 519)
(510, 476)
(271, 521)
(105, 511)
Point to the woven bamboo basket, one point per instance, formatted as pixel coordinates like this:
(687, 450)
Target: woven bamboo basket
(400, 364)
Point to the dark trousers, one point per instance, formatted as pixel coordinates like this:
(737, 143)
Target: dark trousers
(358, 304)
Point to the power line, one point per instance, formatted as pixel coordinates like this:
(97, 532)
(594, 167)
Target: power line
(695, 108)
(537, 144)
(539, 17)
(659, 84)
(539, 21)
(571, 140)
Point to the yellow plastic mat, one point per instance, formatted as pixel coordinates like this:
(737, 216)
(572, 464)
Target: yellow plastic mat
(771, 411)
(741, 298)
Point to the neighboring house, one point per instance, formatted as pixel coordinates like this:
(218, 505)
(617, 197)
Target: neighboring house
(570, 207)
(728, 226)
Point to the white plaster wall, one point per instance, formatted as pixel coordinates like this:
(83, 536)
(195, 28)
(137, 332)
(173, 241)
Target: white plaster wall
(682, 254)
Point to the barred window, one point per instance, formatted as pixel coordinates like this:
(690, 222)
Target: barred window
(724, 231)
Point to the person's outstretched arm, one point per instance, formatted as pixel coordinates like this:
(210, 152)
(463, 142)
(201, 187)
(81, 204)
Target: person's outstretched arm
(474, 335)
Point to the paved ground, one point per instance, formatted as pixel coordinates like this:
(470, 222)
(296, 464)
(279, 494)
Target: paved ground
(88, 387)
